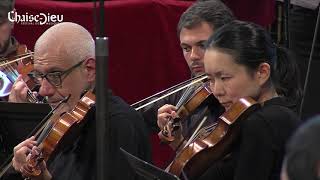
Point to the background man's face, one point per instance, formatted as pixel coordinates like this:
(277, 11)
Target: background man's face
(192, 42)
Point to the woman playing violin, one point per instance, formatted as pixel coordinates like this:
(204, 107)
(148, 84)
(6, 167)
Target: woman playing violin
(242, 61)
(65, 65)
(195, 26)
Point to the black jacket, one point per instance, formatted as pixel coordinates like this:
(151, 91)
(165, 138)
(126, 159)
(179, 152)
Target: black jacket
(260, 150)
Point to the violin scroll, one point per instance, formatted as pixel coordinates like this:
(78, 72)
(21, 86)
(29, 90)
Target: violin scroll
(32, 168)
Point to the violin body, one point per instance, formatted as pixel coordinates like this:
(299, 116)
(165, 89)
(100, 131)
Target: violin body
(63, 132)
(67, 128)
(210, 147)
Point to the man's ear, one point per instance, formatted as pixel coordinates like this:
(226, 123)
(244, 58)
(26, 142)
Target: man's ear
(90, 68)
(263, 73)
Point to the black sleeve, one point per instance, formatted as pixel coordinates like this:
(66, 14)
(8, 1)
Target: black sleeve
(11, 174)
(129, 133)
(255, 158)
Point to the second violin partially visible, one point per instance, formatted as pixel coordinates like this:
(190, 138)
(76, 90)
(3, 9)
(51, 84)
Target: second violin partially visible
(212, 143)
(20, 62)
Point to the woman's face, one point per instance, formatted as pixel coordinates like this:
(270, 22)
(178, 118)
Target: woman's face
(230, 81)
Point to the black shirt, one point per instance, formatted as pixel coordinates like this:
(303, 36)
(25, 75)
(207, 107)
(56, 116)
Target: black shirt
(260, 150)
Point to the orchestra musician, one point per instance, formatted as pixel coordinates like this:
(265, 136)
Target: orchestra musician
(196, 25)
(8, 46)
(302, 153)
(242, 61)
(64, 64)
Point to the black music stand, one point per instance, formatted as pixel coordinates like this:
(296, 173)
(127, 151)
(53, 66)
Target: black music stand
(147, 170)
(17, 120)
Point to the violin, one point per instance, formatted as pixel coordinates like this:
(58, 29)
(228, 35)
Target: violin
(167, 92)
(212, 143)
(20, 62)
(60, 132)
(25, 65)
(202, 94)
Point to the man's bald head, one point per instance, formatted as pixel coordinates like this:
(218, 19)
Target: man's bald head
(68, 41)
(57, 54)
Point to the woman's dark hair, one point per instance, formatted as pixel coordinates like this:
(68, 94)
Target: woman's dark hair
(251, 45)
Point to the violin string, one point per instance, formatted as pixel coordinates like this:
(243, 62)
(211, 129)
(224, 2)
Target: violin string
(166, 95)
(30, 97)
(184, 96)
(166, 90)
(196, 132)
(199, 131)
(204, 130)
(10, 62)
(189, 93)
(17, 56)
(210, 127)
(45, 132)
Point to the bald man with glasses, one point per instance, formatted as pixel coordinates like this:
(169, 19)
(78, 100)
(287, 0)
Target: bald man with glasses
(64, 64)
(55, 58)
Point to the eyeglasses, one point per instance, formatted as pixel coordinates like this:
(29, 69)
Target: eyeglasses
(54, 78)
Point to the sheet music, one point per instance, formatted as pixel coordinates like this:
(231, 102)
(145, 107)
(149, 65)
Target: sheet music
(310, 4)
